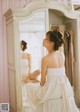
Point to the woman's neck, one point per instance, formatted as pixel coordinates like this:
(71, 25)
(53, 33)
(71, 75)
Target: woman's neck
(22, 52)
(50, 51)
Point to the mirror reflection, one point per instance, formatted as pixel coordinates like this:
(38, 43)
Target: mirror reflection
(31, 33)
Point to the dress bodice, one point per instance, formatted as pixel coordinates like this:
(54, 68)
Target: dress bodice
(53, 73)
(24, 66)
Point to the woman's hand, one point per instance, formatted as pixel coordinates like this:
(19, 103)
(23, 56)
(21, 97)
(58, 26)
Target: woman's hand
(25, 79)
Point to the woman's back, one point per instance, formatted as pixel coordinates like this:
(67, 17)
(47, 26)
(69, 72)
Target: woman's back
(24, 64)
(55, 60)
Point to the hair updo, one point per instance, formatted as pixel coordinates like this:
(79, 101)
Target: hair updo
(56, 37)
(24, 45)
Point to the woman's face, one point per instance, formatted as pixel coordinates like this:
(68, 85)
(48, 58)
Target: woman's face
(46, 42)
(21, 46)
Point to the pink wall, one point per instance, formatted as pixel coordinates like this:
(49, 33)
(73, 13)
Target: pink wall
(4, 6)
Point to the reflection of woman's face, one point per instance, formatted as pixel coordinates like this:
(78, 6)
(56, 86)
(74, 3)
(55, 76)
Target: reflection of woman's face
(21, 46)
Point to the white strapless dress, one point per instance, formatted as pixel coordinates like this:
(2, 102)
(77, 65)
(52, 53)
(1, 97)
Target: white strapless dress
(55, 96)
(24, 71)
(24, 67)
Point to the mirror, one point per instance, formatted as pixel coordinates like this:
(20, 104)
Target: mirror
(32, 30)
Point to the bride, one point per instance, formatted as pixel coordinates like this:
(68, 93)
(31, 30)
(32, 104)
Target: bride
(25, 69)
(54, 93)
(25, 65)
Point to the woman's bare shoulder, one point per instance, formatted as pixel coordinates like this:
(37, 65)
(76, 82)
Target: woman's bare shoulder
(44, 59)
(61, 54)
(26, 55)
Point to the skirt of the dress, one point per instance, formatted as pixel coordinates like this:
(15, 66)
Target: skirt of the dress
(56, 105)
(24, 96)
(55, 96)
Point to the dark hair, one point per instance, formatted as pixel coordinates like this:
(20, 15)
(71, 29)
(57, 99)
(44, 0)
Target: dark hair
(55, 37)
(24, 45)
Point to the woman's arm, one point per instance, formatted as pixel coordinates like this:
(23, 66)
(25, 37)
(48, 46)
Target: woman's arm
(29, 64)
(43, 71)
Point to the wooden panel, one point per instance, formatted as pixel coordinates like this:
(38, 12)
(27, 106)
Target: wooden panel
(11, 66)
(10, 43)
(12, 90)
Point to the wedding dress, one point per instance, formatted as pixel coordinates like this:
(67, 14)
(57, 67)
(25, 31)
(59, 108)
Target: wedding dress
(24, 71)
(55, 96)
(24, 66)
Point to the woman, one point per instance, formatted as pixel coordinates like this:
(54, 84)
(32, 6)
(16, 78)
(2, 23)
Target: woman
(54, 94)
(25, 69)
(25, 62)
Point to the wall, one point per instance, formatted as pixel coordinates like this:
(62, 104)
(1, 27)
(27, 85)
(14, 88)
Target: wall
(4, 6)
